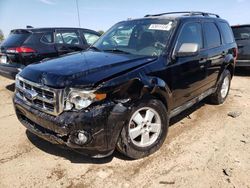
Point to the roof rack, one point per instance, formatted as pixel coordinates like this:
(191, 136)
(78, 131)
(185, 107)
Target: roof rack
(186, 13)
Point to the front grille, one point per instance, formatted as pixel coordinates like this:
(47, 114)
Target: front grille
(40, 97)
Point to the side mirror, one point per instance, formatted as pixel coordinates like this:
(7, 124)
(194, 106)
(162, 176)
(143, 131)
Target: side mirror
(188, 49)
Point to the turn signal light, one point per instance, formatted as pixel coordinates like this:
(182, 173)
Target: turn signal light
(100, 96)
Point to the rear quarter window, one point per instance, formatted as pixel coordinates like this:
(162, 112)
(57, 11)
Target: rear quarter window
(47, 38)
(226, 32)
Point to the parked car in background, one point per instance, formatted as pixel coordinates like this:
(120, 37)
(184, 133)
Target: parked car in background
(122, 92)
(242, 37)
(26, 46)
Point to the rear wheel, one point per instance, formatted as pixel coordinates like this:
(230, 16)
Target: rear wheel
(223, 89)
(145, 130)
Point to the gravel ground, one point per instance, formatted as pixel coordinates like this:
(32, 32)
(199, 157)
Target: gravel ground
(205, 148)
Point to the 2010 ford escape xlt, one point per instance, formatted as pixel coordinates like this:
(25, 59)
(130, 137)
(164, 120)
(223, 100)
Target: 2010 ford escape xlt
(122, 92)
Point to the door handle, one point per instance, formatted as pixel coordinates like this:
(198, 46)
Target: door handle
(240, 46)
(202, 63)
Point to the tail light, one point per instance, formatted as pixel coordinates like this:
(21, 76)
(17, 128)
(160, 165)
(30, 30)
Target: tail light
(21, 49)
(235, 53)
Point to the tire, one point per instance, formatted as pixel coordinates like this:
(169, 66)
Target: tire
(222, 90)
(139, 137)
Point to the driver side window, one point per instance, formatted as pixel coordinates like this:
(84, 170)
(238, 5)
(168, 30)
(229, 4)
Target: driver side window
(190, 33)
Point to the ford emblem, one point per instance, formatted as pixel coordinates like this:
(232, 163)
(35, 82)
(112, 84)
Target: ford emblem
(30, 94)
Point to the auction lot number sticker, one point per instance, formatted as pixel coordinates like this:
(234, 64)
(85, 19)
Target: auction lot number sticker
(163, 27)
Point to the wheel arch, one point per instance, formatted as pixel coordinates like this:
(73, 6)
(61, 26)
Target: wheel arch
(229, 64)
(158, 89)
(231, 69)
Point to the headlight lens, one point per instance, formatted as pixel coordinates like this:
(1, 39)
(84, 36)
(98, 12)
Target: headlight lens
(82, 99)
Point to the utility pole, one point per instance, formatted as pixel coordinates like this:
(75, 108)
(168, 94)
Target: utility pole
(77, 7)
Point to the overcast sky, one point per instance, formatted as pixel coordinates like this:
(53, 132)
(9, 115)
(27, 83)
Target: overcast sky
(102, 14)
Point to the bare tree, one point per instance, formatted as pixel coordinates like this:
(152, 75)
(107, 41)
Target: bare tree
(1, 36)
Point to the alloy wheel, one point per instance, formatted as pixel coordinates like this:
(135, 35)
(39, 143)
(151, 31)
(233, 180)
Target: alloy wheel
(144, 127)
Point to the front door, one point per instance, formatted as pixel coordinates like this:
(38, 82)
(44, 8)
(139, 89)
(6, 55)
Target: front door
(188, 73)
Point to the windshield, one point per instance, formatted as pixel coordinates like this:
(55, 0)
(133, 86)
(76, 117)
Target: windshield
(140, 37)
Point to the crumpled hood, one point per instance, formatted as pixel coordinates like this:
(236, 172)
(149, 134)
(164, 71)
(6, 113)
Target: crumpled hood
(82, 69)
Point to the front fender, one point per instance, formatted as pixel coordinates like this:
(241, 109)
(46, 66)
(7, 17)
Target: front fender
(136, 86)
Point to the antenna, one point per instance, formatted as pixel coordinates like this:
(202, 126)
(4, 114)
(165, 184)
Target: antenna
(77, 7)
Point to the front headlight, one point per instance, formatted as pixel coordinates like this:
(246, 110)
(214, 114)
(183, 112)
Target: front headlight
(81, 99)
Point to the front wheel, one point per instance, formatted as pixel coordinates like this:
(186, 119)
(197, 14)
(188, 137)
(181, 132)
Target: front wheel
(145, 130)
(223, 89)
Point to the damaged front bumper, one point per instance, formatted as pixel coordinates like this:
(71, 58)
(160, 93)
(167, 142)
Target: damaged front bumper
(100, 126)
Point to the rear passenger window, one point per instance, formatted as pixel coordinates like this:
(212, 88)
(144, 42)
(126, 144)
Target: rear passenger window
(212, 35)
(70, 38)
(227, 33)
(190, 33)
(47, 38)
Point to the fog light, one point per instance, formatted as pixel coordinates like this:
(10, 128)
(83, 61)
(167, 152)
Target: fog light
(82, 138)
(79, 137)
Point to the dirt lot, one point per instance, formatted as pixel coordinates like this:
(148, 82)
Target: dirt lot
(205, 148)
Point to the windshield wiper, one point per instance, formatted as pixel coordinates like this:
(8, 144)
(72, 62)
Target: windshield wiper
(94, 48)
(115, 50)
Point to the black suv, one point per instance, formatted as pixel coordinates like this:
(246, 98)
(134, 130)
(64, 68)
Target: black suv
(122, 92)
(242, 37)
(26, 46)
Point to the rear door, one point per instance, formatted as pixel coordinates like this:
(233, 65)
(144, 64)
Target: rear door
(242, 37)
(68, 41)
(215, 52)
(45, 45)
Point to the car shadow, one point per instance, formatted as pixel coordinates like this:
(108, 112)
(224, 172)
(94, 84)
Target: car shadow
(75, 157)
(68, 154)
(10, 87)
(242, 71)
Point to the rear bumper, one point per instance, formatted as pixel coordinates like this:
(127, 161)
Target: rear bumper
(10, 70)
(242, 63)
(102, 125)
